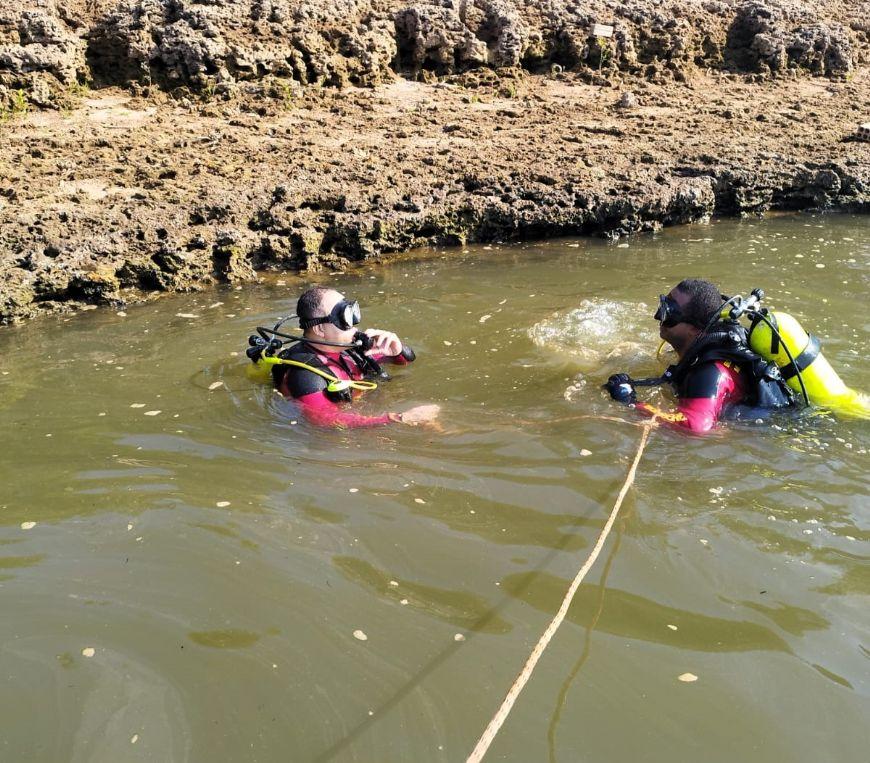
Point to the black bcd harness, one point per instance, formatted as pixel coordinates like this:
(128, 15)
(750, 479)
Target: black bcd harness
(301, 382)
(727, 341)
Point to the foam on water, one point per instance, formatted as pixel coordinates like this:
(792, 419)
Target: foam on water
(600, 333)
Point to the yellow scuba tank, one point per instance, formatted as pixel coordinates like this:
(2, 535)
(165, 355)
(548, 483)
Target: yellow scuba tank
(822, 384)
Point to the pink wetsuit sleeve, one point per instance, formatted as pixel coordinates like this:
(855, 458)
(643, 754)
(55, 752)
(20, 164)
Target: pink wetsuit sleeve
(398, 360)
(697, 414)
(320, 410)
(700, 414)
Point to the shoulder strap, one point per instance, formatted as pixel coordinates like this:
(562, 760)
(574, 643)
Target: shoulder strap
(303, 372)
(308, 372)
(299, 353)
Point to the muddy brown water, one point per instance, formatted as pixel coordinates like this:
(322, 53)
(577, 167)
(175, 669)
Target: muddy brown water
(201, 558)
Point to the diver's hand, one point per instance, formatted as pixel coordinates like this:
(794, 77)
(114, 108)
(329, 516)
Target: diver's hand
(421, 414)
(621, 388)
(383, 343)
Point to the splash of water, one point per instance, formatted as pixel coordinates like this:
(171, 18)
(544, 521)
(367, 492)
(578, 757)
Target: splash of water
(600, 335)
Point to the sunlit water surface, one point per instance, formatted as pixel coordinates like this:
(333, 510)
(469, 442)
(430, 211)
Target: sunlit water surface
(217, 554)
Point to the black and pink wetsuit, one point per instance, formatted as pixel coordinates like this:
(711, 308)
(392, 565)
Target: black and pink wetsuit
(707, 390)
(309, 389)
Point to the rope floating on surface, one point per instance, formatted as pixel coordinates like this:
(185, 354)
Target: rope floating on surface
(526, 673)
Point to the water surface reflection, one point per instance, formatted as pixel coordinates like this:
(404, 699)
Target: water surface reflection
(218, 555)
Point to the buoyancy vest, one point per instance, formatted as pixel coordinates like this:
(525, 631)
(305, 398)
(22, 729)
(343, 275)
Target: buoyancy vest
(727, 341)
(301, 381)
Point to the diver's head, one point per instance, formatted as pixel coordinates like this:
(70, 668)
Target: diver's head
(685, 312)
(324, 314)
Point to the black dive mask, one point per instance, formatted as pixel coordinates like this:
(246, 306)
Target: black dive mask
(669, 313)
(343, 316)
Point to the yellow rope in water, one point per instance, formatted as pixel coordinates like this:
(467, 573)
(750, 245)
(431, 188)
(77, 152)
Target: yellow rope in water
(522, 679)
(587, 647)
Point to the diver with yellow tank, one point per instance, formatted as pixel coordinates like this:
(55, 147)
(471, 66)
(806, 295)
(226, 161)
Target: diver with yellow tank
(723, 366)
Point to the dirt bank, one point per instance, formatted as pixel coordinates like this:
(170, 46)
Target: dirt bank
(219, 151)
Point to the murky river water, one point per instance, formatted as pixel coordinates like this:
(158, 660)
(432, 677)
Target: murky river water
(201, 558)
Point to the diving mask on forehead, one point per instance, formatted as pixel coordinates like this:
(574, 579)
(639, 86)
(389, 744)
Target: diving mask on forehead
(669, 313)
(343, 316)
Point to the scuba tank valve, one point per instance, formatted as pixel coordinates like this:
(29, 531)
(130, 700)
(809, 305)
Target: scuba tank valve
(742, 306)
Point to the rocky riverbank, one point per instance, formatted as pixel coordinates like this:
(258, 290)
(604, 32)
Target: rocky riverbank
(155, 145)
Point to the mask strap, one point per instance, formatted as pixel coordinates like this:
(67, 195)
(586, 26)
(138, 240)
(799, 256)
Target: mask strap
(307, 323)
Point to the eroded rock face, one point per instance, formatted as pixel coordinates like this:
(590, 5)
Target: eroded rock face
(500, 25)
(41, 53)
(47, 46)
(673, 36)
(657, 36)
(774, 35)
(435, 37)
(455, 34)
(184, 42)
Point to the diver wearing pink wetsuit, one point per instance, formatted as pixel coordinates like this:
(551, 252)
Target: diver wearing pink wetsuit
(333, 351)
(310, 390)
(716, 370)
(705, 394)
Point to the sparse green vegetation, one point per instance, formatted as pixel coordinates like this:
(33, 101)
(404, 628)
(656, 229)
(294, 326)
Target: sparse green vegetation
(79, 90)
(16, 106)
(605, 52)
(286, 97)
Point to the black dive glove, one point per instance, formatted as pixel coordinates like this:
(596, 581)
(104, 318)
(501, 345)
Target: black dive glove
(621, 388)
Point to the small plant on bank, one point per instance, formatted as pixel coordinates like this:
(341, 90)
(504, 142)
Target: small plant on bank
(605, 52)
(79, 90)
(19, 102)
(16, 106)
(286, 96)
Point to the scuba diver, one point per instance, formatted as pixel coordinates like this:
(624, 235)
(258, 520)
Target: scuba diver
(331, 361)
(717, 370)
